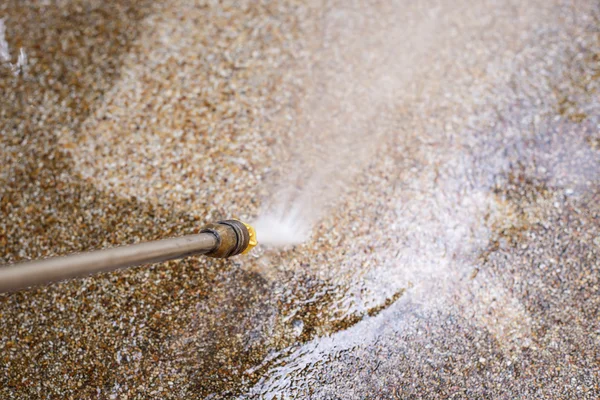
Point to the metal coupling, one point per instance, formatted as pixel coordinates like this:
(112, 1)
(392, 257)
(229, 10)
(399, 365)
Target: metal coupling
(233, 238)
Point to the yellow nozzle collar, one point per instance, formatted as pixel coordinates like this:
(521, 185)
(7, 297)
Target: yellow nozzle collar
(252, 242)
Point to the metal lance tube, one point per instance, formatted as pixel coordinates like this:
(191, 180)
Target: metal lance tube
(223, 239)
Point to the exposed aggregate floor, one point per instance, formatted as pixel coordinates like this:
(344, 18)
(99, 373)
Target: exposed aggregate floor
(446, 155)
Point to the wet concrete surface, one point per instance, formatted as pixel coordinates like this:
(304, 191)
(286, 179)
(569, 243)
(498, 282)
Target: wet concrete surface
(455, 242)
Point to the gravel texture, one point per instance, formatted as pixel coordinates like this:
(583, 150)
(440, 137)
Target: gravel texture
(446, 158)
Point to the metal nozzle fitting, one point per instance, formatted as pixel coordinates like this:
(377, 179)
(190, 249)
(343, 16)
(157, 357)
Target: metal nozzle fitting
(233, 238)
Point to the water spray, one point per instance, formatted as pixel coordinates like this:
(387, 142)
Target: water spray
(223, 239)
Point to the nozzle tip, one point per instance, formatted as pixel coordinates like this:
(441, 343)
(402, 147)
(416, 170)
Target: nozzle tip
(253, 240)
(233, 237)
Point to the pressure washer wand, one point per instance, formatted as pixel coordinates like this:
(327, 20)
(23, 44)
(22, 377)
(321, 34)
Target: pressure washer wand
(222, 240)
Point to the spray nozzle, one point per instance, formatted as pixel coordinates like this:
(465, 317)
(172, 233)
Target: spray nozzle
(233, 237)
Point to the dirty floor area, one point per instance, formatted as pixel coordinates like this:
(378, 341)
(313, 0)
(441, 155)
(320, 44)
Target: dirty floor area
(444, 157)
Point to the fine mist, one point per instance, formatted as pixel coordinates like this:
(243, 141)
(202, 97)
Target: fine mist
(362, 65)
